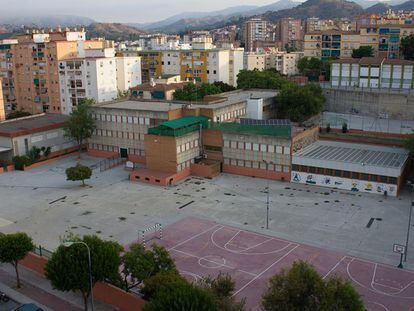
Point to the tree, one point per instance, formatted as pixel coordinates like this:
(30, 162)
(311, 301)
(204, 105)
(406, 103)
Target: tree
(193, 92)
(297, 103)
(363, 51)
(68, 268)
(13, 248)
(81, 124)
(78, 172)
(311, 67)
(140, 263)
(407, 47)
(153, 284)
(341, 295)
(222, 289)
(18, 114)
(179, 296)
(224, 87)
(266, 79)
(409, 145)
(302, 288)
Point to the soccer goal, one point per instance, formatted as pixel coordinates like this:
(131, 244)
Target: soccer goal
(143, 234)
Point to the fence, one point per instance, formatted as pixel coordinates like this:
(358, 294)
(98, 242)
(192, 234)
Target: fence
(43, 252)
(108, 163)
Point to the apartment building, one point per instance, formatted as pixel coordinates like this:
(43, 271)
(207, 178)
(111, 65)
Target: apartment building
(331, 44)
(285, 63)
(201, 65)
(373, 72)
(6, 73)
(384, 39)
(290, 32)
(254, 29)
(2, 105)
(36, 59)
(98, 75)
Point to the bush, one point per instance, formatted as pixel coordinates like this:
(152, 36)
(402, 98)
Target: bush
(153, 284)
(344, 128)
(78, 172)
(34, 154)
(328, 128)
(21, 161)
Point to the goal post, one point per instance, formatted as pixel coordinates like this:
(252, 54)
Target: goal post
(156, 228)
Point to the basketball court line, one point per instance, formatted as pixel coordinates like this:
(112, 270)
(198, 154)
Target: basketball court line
(231, 239)
(372, 289)
(212, 261)
(334, 267)
(378, 304)
(244, 253)
(250, 247)
(381, 264)
(194, 236)
(265, 270)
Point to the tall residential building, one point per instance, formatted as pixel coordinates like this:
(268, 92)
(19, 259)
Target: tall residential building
(2, 106)
(290, 32)
(285, 63)
(384, 39)
(6, 73)
(202, 65)
(254, 29)
(373, 72)
(36, 60)
(98, 75)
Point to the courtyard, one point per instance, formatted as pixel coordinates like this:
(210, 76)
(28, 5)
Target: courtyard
(42, 203)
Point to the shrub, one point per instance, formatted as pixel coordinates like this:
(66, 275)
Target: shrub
(21, 161)
(78, 172)
(344, 127)
(328, 128)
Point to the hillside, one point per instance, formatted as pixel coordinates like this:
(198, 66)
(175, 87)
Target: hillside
(113, 31)
(197, 20)
(318, 8)
(382, 7)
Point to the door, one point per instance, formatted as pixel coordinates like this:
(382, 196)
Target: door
(123, 152)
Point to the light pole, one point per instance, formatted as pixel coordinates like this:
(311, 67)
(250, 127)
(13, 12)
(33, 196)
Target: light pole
(69, 244)
(267, 193)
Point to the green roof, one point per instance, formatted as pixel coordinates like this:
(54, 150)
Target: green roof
(183, 122)
(179, 127)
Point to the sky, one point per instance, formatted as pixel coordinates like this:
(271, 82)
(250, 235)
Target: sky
(120, 10)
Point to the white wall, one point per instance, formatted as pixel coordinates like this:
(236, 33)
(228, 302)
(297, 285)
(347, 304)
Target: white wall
(343, 183)
(128, 72)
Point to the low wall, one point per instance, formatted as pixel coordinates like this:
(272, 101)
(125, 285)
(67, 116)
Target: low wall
(45, 162)
(102, 153)
(208, 170)
(102, 292)
(158, 178)
(255, 172)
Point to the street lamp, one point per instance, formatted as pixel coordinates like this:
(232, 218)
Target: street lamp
(267, 193)
(69, 244)
(409, 222)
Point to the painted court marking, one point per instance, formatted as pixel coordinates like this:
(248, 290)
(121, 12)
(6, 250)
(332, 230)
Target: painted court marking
(221, 247)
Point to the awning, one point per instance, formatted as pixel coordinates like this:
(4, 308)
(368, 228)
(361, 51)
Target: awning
(4, 149)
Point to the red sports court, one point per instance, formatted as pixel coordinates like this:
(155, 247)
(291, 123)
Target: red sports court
(202, 247)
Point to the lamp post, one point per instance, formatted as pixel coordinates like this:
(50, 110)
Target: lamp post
(267, 193)
(69, 244)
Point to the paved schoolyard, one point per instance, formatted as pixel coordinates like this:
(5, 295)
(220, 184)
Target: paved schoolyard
(201, 248)
(42, 203)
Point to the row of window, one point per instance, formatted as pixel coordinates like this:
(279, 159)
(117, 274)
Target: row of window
(119, 134)
(186, 164)
(110, 148)
(187, 146)
(123, 119)
(258, 164)
(344, 174)
(256, 147)
(230, 115)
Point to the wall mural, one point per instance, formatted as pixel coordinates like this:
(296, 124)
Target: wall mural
(343, 183)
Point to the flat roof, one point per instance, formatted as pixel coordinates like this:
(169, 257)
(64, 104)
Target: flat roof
(237, 96)
(145, 105)
(362, 158)
(32, 124)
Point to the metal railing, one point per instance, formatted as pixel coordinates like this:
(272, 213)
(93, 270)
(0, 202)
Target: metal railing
(109, 163)
(43, 252)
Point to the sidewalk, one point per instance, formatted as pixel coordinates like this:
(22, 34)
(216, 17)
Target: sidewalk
(38, 290)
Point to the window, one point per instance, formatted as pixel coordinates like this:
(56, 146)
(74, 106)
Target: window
(263, 147)
(233, 144)
(271, 148)
(346, 174)
(338, 173)
(248, 146)
(240, 145)
(279, 149)
(312, 169)
(355, 175)
(278, 168)
(286, 150)
(364, 176)
(226, 144)
(256, 147)
(286, 169)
